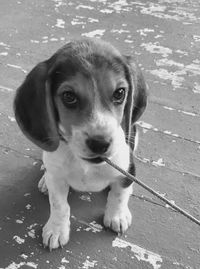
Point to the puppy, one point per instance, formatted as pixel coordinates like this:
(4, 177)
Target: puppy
(78, 106)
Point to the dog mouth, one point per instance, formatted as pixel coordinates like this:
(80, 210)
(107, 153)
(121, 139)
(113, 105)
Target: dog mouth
(96, 160)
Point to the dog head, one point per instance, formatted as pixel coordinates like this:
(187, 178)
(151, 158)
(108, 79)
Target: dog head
(88, 93)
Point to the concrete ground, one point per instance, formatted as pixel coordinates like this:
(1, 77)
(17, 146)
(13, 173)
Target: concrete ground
(164, 36)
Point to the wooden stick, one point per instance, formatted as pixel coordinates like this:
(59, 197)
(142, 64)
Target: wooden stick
(139, 182)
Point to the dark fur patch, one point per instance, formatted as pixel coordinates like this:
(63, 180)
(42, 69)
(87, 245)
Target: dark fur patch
(132, 137)
(34, 109)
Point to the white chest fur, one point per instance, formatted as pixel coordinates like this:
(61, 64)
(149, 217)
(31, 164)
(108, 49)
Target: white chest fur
(81, 175)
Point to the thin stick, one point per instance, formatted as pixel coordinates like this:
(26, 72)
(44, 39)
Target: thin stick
(139, 182)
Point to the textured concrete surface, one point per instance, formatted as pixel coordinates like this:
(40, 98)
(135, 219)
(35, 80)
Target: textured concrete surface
(164, 36)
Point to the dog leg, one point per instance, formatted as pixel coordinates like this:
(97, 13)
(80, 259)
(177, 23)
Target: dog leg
(57, 229)
(117, 214)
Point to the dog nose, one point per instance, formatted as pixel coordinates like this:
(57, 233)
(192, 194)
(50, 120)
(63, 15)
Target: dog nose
(98, 144)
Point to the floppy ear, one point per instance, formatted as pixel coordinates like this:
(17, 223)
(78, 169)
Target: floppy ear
(137, 97)
(34, 109)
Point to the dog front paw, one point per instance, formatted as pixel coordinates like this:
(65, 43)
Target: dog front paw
(118, 219)
(55, 235)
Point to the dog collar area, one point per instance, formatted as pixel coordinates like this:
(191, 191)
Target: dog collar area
(96, 160)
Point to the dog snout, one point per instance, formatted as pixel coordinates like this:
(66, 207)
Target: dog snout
(98, 144)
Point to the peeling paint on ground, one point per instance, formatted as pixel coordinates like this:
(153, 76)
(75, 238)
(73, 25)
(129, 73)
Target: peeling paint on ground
(140, 253)
(89, 264)
(14, 265)
(95, 33)
(17, 67)
(91, 227)
(18, 239)
(157, 49)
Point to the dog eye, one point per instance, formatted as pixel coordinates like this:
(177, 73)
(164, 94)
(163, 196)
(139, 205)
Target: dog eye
(69, 98)
(119, 95)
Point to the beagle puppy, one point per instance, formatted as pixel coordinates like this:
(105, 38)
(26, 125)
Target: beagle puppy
(78, 106)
